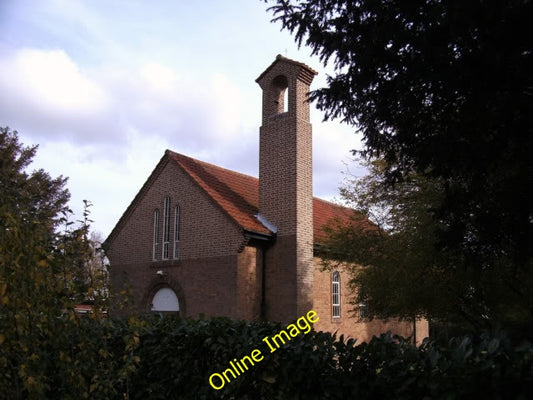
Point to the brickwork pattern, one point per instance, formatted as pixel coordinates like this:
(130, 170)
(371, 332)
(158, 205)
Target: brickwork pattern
(286, 188)
(249, 283)
(209, 242)
(349, 324)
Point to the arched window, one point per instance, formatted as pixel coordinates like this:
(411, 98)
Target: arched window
(165, 300)
(166, 227)
(155, 245)
(285, 107)
(336, 294)
(176, 232)
(280, 95)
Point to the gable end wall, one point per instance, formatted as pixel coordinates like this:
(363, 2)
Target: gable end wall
(209, 243)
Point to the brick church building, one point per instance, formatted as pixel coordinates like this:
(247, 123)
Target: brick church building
(201, 239)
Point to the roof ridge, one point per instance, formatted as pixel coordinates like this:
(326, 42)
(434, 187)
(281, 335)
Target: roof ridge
(234, 192)
(301, 64)
(328, 201)
(173, 153)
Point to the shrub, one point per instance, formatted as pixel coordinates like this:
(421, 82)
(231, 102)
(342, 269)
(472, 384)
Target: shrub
(178, 356)
(156, 357)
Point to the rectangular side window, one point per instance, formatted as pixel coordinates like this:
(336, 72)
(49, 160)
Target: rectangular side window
(336, 295)
(177, 232)
(166, 227)
(155, 244)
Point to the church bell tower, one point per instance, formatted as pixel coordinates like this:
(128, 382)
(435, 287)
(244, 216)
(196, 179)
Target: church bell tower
(286, 187)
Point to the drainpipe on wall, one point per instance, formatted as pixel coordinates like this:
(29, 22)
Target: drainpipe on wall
(263, 283)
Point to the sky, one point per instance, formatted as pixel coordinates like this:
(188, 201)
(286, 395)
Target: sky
(105, 86)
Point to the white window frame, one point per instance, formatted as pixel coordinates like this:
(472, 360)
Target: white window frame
(166, 228)
(336, 294)
(155, 243)
(177, 212)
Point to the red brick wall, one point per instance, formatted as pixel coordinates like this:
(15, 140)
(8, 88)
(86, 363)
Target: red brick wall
(249, 281)
(281, 288)
(209, 241)
(285, 189)
(349, 324)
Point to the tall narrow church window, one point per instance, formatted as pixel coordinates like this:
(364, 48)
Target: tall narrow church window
(336, 294)
(166, 227)
(177, 232)
(155, 248)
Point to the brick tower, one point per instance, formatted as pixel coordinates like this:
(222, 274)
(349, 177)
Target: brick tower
(286, 188)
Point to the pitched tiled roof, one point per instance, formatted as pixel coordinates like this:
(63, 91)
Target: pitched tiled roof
(323, 213)
(238, 196)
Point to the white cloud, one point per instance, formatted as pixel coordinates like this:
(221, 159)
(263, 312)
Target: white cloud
(191, 113)
(105, 89)
(226, 106)
(50, 96)
(50, 80)
(332, 145)
(159, 77)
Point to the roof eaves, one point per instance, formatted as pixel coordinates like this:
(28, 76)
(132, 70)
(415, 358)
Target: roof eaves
(307, 76)
(259, 235)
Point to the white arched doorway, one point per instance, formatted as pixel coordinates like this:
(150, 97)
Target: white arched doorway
(165, 300)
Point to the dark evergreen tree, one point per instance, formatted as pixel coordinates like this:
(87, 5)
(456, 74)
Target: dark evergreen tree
(43, 276)
(30, 197)
(398, 270)
(442, 90)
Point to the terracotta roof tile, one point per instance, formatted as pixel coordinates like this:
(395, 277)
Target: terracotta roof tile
(238, 196)
(236, 193)
(323, 213)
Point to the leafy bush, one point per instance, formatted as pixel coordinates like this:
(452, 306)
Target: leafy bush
(171, 358)
(48, 266)
(178, 356)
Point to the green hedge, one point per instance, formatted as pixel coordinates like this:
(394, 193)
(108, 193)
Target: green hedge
(65, 357)
(177, 358)
(170, 358)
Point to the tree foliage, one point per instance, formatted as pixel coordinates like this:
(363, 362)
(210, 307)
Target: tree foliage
(29, 197)
(442, 88)
(442, 93)
(47, 350)
(399, 270)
